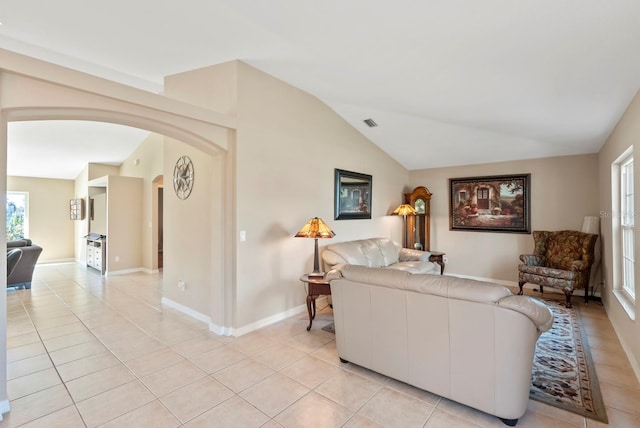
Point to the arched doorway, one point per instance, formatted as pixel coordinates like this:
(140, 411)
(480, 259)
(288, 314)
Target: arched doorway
(32, 90)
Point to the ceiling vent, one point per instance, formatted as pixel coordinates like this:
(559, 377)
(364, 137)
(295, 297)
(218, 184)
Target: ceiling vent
(370, 123)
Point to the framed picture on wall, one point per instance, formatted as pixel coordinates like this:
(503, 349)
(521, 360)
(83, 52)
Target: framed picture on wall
(76, 209)
(352, 195)
(499, 203)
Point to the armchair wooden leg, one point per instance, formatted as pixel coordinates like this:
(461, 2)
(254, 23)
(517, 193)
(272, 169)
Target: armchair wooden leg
(568, 295)
(520, 284)
(541, 290)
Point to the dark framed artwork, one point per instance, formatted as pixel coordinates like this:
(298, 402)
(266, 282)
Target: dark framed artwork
(499, 203)
(352, 195)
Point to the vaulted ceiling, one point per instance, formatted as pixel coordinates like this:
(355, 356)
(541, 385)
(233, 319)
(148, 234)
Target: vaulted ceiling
(449, 82)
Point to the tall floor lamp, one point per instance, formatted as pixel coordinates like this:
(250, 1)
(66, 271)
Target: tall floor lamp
(404, 210)
(315, 228)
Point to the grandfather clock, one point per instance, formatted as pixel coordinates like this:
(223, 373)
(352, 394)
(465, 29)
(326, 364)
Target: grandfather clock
(419, 225)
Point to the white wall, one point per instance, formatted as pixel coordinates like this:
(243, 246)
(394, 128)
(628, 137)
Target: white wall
(625, 135)
(49, 224)
(563, 191)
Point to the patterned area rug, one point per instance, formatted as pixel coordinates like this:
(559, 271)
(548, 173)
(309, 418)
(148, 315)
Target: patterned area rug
(563, 373)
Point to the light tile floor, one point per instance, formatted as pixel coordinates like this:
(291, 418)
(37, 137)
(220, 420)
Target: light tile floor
(84, 351)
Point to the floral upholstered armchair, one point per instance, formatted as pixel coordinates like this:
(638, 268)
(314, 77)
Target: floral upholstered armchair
(560, 259)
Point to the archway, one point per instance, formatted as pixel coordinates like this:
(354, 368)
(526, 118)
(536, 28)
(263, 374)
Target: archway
(33, 90)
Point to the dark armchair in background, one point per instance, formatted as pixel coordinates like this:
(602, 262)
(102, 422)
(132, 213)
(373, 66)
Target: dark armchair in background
(560, 259)
(13, 257)
(22, 272)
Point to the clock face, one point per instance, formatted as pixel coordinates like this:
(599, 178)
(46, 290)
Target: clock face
(183, 177)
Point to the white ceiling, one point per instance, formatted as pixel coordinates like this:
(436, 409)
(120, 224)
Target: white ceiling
(34, 147)
(450, 82)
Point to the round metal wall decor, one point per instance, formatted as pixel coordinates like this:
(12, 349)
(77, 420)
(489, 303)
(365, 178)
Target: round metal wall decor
(183, 176)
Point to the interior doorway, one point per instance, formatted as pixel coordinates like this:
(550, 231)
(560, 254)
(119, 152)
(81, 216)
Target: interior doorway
(157, 238)
(160, 253)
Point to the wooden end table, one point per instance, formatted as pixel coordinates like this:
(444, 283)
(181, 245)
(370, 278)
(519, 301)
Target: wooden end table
(316, 286)
(438, 257)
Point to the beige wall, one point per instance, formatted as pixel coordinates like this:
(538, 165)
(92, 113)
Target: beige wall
(625, 135)
(288, 145)
(49, 223)
(81, 228)
(190, 234)
(146, 162)
(563, 191)
(124, 223)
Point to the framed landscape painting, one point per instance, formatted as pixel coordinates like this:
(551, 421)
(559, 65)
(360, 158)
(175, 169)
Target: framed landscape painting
(499, 203)
(352, 195)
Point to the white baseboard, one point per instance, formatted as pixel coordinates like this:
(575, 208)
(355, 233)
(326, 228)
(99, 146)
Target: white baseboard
(186, 310)
(496, 281)
(269, 320)
(124, 271)
(55, 261)
(230, 331)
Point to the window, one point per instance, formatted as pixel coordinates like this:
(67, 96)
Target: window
(627, 221)
(17, 215)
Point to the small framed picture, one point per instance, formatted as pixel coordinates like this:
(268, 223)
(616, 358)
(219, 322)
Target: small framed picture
(76, 209)
(352, 195)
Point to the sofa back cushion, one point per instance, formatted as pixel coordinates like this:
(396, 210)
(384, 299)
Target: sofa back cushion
(374, 252)
(19, 243)
(443, 286)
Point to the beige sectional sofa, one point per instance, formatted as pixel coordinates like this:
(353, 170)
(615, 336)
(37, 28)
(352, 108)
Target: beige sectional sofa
(470, 341)
(378, 252)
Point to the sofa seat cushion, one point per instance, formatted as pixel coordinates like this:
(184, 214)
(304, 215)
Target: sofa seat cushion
(568, 275)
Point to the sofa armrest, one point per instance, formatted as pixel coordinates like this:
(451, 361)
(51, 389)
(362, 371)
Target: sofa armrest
(335, 273)
(533, 308)
(409, 255)
(532, 259)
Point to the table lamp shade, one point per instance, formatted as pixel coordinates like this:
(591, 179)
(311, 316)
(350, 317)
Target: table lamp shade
(404, 210)
(315, 228)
